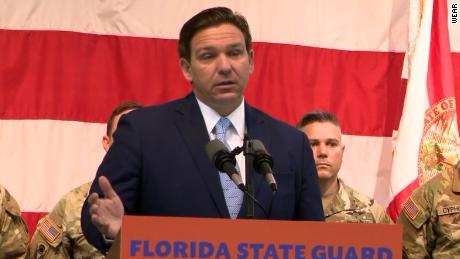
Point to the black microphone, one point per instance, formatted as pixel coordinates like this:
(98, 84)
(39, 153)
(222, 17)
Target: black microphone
(224, 161)
(263, 163)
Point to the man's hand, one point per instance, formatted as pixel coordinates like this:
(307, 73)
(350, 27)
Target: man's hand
(106, 212)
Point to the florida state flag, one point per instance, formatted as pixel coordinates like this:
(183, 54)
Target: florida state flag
(428, 134)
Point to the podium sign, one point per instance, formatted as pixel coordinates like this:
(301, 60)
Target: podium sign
(172, 237)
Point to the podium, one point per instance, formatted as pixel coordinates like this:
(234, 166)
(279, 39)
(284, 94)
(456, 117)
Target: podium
(173, 237)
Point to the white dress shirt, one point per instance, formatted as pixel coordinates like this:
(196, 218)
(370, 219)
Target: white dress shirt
(235, 133)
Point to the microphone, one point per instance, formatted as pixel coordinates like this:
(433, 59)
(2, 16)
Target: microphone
(224, 161)
(263, 163)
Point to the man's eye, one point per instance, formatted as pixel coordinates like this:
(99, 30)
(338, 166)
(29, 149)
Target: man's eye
(206, 56)
(314, 144)
(235, 53)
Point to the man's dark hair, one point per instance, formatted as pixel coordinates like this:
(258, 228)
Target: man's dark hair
(208, 18)
(317, 116)
(119, 110)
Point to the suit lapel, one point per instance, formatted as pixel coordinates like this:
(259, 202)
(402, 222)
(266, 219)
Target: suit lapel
(190, 123)
(255, 124)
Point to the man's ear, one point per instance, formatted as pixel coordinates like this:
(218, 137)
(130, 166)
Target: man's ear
(185, 67)
(106, 142)
(251, 60)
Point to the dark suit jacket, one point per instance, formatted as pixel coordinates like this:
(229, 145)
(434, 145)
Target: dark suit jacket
(158, 166)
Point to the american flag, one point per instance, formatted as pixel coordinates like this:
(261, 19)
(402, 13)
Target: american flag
(411, 208)
(65, 64)
(49, 230)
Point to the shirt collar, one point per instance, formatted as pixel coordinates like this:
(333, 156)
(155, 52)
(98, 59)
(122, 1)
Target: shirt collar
(211, 117)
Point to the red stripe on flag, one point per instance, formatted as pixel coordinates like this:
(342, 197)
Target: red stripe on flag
(31, 219)
(362, 88)
(456, 69)
(76, 76)
(440, 75)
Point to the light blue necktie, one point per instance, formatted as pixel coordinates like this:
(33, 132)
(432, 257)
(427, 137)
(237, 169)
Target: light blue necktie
(233, 195)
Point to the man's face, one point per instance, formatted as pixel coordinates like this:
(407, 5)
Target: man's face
(326, 143)
(219, 66)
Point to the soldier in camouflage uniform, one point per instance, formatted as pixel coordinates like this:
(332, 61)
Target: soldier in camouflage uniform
(13, 230)
(59, 234)
(431, 218)
(340, 202)
(354, 207)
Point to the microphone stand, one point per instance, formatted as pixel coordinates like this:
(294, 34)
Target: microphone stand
(249, 162)
(249, 199)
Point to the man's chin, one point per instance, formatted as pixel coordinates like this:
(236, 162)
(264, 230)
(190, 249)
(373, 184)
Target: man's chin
(326, 175)
(229, 98)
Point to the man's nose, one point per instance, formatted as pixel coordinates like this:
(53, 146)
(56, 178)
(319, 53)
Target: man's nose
(322, 155)
(224, 65)
(322, 151)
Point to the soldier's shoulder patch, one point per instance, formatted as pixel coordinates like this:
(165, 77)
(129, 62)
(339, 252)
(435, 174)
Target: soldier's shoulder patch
(49, 229)
(411, 209)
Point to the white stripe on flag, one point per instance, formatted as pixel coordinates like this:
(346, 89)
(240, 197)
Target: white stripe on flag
(378, 25)
(41, 160)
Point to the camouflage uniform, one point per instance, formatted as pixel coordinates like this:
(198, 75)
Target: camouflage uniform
(13, 229)
(352, 207)
(59, 234)
(431, 218)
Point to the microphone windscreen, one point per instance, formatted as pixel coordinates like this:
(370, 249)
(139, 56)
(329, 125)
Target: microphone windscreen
(213, 147)
(257, 145)
(261, 154)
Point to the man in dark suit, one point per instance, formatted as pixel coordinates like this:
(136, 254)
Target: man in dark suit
(158, 164)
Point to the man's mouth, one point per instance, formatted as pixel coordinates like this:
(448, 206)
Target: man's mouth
(225, 83)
